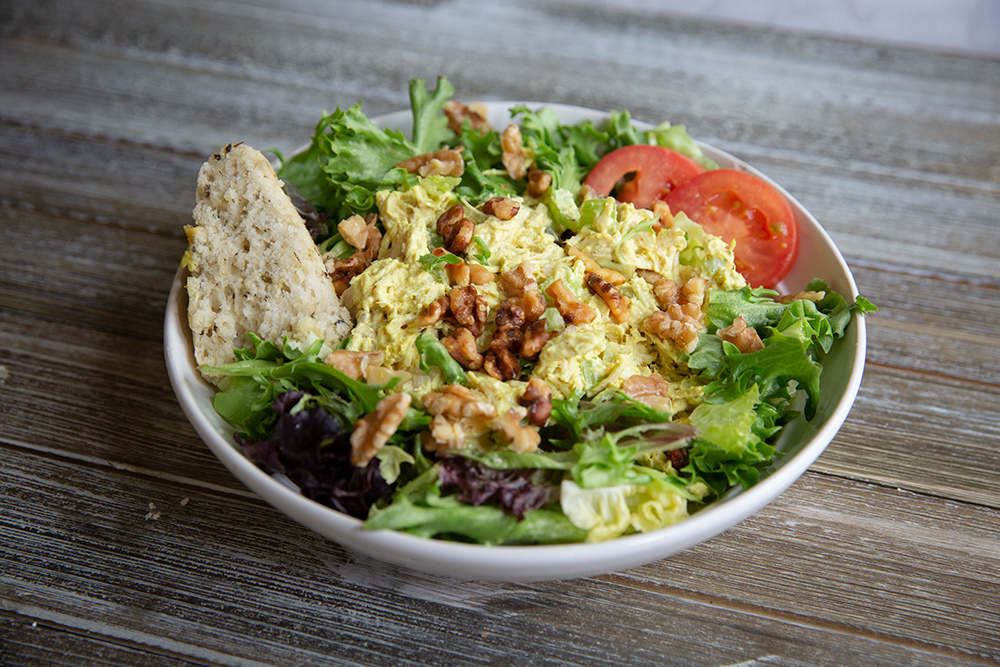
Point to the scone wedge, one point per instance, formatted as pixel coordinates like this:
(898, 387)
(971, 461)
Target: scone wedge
(253, 266)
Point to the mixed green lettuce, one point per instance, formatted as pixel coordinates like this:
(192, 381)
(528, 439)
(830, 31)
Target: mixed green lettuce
(349, 158)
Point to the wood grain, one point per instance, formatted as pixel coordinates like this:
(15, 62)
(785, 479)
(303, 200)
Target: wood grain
(887, 552)
(178, 564)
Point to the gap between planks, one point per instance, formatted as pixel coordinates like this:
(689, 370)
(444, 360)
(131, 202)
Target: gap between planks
(97, 463)
(629, 581)
(155, 644)
(932, 374)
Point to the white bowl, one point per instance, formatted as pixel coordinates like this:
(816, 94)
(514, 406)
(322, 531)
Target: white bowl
(801, 442)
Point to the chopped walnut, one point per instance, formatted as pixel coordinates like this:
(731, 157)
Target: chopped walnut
(651, 390)
(537, 399)
(516, 282)
(462, 347)
(510, 338)
(805, 296)
(456, 229)
(534, 339)
(665, 219)
(342, 271)
(533, 304)
(538, 182)
(354, 365)
(591, 266)
(468, 307)
(354, 230)
(445, 162)
(649, 275)
(372, 431)
(514, 159)
(522, 438)
(617, 303)
(692, 292)
(693, 311)
(674, 325)
(502, 208)
(458, 114)
(587, 192)
(443, 434)
(500, 362)
(572, 310)
(464, 273)
(435, 312)
(480, 275)
(452, 216)
(743, 337)
(457, 402)
(665, 292)
(509, 315)
(458, 273)
(517, 311)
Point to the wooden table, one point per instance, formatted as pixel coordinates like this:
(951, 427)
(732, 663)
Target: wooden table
(124, 541)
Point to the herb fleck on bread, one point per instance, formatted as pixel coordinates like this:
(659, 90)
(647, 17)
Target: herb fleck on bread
(253, 266)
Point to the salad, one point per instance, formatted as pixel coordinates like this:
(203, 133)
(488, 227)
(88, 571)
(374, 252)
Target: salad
(562, 333)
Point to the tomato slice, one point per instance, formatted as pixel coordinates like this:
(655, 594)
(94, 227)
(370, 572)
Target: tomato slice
(657, 171)
(741, 207)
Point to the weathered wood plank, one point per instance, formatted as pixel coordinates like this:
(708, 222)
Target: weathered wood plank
(174, 105)
(138, 187)
(863, 550)
(922, 433)
(30, 641)
(271, 590)
(676, 68)
(879, 216)
(934, 325)
(886, 552)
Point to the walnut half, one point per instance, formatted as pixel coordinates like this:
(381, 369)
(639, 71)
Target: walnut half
(521, 438)
(513, 157)
(537, 399)
(617, 303)
(354, 364)
(474, 112)
(572, 309)
(676, 326)
(743, 337)
(445, 162)
(372, 431)
(651, 390)
(456, 229)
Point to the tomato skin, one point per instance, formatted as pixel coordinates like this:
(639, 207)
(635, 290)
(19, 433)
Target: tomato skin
(741, 207)
(657, 170)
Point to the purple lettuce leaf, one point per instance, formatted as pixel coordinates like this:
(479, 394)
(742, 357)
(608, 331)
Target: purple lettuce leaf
(517, 491)
(313, 450)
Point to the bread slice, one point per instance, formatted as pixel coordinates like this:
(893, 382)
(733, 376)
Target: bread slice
(253, 266)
